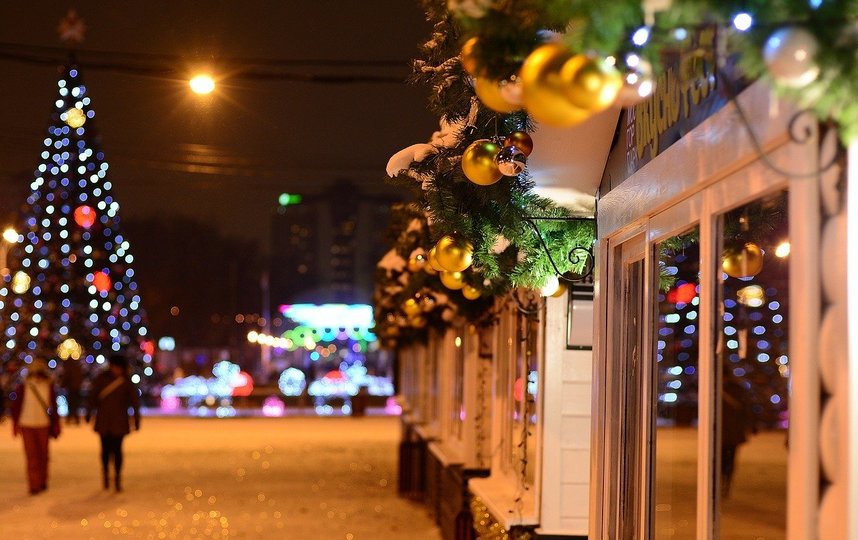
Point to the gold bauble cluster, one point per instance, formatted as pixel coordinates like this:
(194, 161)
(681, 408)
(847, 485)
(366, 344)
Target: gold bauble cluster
(484, 162)
(559, 87)
(564, 89)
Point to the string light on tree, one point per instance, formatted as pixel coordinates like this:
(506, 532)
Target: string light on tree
(69, 350)
(20, 282)
(74, 117)
(85, 216)
(10, 235)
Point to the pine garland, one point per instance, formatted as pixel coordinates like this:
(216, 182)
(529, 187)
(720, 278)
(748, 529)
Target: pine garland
(507, 251)
(508, 30)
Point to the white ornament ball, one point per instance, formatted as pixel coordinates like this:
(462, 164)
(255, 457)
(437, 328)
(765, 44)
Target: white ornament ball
(552, 284)
(790, 55)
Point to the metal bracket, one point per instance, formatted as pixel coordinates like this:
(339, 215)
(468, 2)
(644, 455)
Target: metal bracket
(576, 256)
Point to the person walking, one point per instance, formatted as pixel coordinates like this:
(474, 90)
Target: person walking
(110, 398)
(736, 424)
(34, 417)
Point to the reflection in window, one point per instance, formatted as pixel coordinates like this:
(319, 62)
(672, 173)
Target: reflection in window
(675, 431)
(457, 411)
(523, 391)
(753, 355)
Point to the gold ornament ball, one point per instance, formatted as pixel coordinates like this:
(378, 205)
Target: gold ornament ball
(746, 262)
(521, 140)
(453, 254)
(433, 261)
(468, 57)
(593, 85)
(416, 263)
(492, 94)
(453, 280)
(75, 118)
(478, 162)
(544, 88)
(561, 290)
(471, 293)
(411, 307)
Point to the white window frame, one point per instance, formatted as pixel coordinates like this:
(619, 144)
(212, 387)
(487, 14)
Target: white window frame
(716, 168)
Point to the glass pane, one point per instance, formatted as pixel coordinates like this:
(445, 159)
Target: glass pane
(519, 398)
(675, 447)
(752, 352)
(531, 387)
(630, 416)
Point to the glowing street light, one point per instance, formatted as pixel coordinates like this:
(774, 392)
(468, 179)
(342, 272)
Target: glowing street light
(202, 84)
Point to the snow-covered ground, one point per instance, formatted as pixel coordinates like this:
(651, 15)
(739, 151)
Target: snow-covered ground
(288, 478)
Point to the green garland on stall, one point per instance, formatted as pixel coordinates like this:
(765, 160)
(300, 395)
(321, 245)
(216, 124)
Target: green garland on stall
(408, 235)
(508, 30)
(507, 251)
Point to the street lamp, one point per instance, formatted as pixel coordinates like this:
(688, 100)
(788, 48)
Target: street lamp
(10, 236)
(202, 84)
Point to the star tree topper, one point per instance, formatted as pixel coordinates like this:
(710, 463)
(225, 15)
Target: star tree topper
(71, 29)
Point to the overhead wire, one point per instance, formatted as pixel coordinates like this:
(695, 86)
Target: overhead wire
(247, 68)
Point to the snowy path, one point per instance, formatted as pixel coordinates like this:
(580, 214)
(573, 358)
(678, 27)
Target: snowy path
(291, 478)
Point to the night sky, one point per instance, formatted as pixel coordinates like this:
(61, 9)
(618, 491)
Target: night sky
(254, 138)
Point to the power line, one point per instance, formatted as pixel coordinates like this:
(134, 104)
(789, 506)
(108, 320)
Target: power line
(241, 68)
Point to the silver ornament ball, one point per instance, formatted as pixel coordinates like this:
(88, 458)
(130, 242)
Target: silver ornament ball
(511, 161)
(790, 55)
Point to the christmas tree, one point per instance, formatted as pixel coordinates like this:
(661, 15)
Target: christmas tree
(70, 293)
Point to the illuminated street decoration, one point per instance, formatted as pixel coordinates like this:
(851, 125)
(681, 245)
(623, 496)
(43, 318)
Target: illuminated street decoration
(292, 382)
(228, 381)
(326, 323)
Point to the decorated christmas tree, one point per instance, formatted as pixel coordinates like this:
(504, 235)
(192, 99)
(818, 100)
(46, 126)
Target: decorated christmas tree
(70, 293)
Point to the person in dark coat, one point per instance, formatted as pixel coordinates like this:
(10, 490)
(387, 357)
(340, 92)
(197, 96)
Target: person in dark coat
(34, 417)
(736, 423)
(110, 398)
(71, 381)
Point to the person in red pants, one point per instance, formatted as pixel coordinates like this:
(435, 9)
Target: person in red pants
(34, 417)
